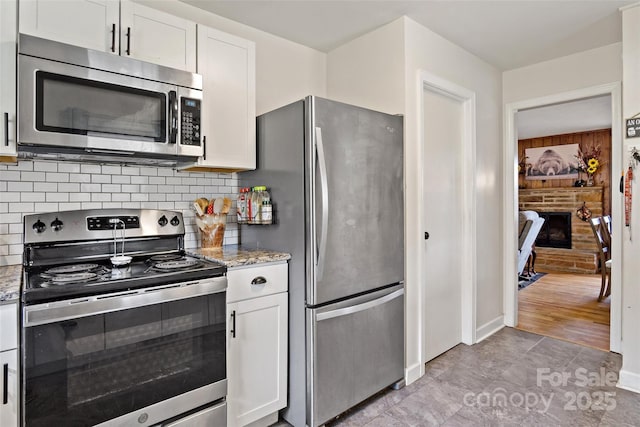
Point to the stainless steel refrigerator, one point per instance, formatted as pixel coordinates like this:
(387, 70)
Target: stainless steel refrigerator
(335, 176)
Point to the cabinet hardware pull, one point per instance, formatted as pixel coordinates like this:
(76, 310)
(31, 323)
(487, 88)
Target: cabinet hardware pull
(113, 37)
(173, 116)
(233, 324)
(6, 129)
(259, 281)
(204, 148)
(5, 384)
(129, 41)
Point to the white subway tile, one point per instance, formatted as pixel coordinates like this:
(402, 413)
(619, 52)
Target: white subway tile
(33, 176)
(3, 186)
(73, 187)
(21, 207)
(45, 166)
(111, 188)
(112, 205)
(166, 205)
(139, 179)
(22, 166)
(90, 188)
(224, 190)
(69, 167)
(10, 197)
(181, 189)
(149, 171)
(102, 179)
(16, 249)
(45, 207)
(184, 206)
(131, 205)
(148, 188)
(100, 197)
(57, 197)
(120, 179)
(121, 197)
(174, 180)
(4, 249)
(4, 207)
(79, 177)
(189, 181)
(80, 197)
(91, 205)
(19, 186)
(72, 206)
(149, 205)
(91, 169)
(157, 197)
(32, 197)
(131, 188)
(46, 187)
(9, 175)
(139, 197)
(198, 189)
(14, 228)
(57, 177)
(111, 170)
(159, 180)
(165, 172)
(173, 197)
(130, 170)
(4, 229)
(11, 260)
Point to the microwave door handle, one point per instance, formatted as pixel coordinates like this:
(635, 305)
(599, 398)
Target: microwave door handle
(173, 116)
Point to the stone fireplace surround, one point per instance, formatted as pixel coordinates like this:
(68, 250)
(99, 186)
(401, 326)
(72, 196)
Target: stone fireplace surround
(582, 257)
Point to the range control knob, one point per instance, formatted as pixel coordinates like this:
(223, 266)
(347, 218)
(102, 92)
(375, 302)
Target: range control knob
(163, 221)
(175, 221)
(56, 224)
(39, 226)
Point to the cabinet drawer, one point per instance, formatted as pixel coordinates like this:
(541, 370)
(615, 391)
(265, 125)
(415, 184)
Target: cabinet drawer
(256, 281)
(9, 329)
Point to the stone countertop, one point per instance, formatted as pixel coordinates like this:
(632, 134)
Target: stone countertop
(239, 256)
(10, 280)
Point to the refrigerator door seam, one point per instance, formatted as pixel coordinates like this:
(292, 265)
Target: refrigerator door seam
(360, 307)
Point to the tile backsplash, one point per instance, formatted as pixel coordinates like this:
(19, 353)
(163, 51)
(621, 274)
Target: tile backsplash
(48, 186)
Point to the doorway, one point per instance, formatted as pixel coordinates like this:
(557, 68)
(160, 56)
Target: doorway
(447, 134)
(511, 196)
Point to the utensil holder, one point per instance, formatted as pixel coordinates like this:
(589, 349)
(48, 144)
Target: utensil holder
(212, 227)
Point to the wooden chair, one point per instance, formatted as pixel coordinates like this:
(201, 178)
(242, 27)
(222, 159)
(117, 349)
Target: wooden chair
(606, 221)
(604, 251)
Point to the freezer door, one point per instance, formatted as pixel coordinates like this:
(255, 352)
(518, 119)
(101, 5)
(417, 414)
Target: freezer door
(357, 226)
(356, 349)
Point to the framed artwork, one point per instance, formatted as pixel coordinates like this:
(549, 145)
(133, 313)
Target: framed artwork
(555, 162)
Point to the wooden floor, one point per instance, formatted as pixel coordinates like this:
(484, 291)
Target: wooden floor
(565, 306)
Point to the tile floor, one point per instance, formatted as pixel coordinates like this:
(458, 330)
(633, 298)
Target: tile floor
(511, 378)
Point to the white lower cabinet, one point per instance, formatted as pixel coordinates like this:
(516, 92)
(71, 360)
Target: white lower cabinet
(9, 400)
(257, 311)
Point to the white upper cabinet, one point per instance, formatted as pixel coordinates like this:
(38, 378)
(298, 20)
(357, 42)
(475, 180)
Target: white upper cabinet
(119, 27)
(87, 23)
(227, 66)
(8, 34)
(154, 36)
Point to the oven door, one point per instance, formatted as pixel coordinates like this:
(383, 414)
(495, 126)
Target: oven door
(128, 358)
(100, 112)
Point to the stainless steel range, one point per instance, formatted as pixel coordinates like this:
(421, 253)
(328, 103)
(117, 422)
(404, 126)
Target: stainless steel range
(120, 328)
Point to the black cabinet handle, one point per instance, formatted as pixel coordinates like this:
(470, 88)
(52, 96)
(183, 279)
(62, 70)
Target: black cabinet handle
(233, 324)
(6, 129)
(204, 148)
(128, 40)
(173, 116)
(113, 37)
(259, 281)
(5, 384)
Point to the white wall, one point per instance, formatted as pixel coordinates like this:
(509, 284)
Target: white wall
(630, 372)
(426, 50)
(369, 71)
(584, 69)
(285, 71)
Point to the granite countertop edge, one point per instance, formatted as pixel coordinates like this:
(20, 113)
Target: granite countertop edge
(233, 256)
(10, 281)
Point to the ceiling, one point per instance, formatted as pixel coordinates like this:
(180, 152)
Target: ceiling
(568, 117)
(508, 34)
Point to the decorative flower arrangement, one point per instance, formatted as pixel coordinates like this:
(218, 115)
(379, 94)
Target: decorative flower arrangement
(589, 160)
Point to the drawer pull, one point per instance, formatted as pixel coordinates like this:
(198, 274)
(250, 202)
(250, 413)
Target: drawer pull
(5, 384)
(260, 280)
(233, 324)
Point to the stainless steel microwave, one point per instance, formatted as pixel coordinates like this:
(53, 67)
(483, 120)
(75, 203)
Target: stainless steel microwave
(85, 104)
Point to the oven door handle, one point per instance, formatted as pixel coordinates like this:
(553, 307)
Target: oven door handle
(59, 311)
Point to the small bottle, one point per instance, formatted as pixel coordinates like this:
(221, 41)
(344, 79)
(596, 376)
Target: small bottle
(242, 206)
(256, 204)
(267, 212)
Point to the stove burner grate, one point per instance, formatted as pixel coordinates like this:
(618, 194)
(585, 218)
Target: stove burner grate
(176, 265)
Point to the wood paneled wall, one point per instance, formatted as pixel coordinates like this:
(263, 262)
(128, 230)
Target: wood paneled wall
(585, 139)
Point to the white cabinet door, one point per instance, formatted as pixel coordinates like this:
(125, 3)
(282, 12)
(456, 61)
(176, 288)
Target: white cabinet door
(257, 358)
(8, 34)
(227, 66)
(155, 36)
(87, 23)
(9, 389)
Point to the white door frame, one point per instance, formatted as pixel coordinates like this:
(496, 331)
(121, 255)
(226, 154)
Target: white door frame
(510, 209)
(431, 82)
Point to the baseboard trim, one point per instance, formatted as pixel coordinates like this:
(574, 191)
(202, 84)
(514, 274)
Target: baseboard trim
(490, 328)
(412, 373)
(629, 381)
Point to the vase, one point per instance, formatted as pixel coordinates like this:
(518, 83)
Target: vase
(590, 180)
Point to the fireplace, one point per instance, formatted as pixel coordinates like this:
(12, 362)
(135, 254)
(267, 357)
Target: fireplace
(556, 231)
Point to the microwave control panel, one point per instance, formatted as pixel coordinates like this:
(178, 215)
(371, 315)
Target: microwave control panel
(190, 121)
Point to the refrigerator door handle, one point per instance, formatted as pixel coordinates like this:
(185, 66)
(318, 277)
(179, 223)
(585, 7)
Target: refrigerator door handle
(324, 193)
(360, 307)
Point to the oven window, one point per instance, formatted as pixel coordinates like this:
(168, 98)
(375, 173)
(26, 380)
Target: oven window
(86, 371)
(78, 106)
